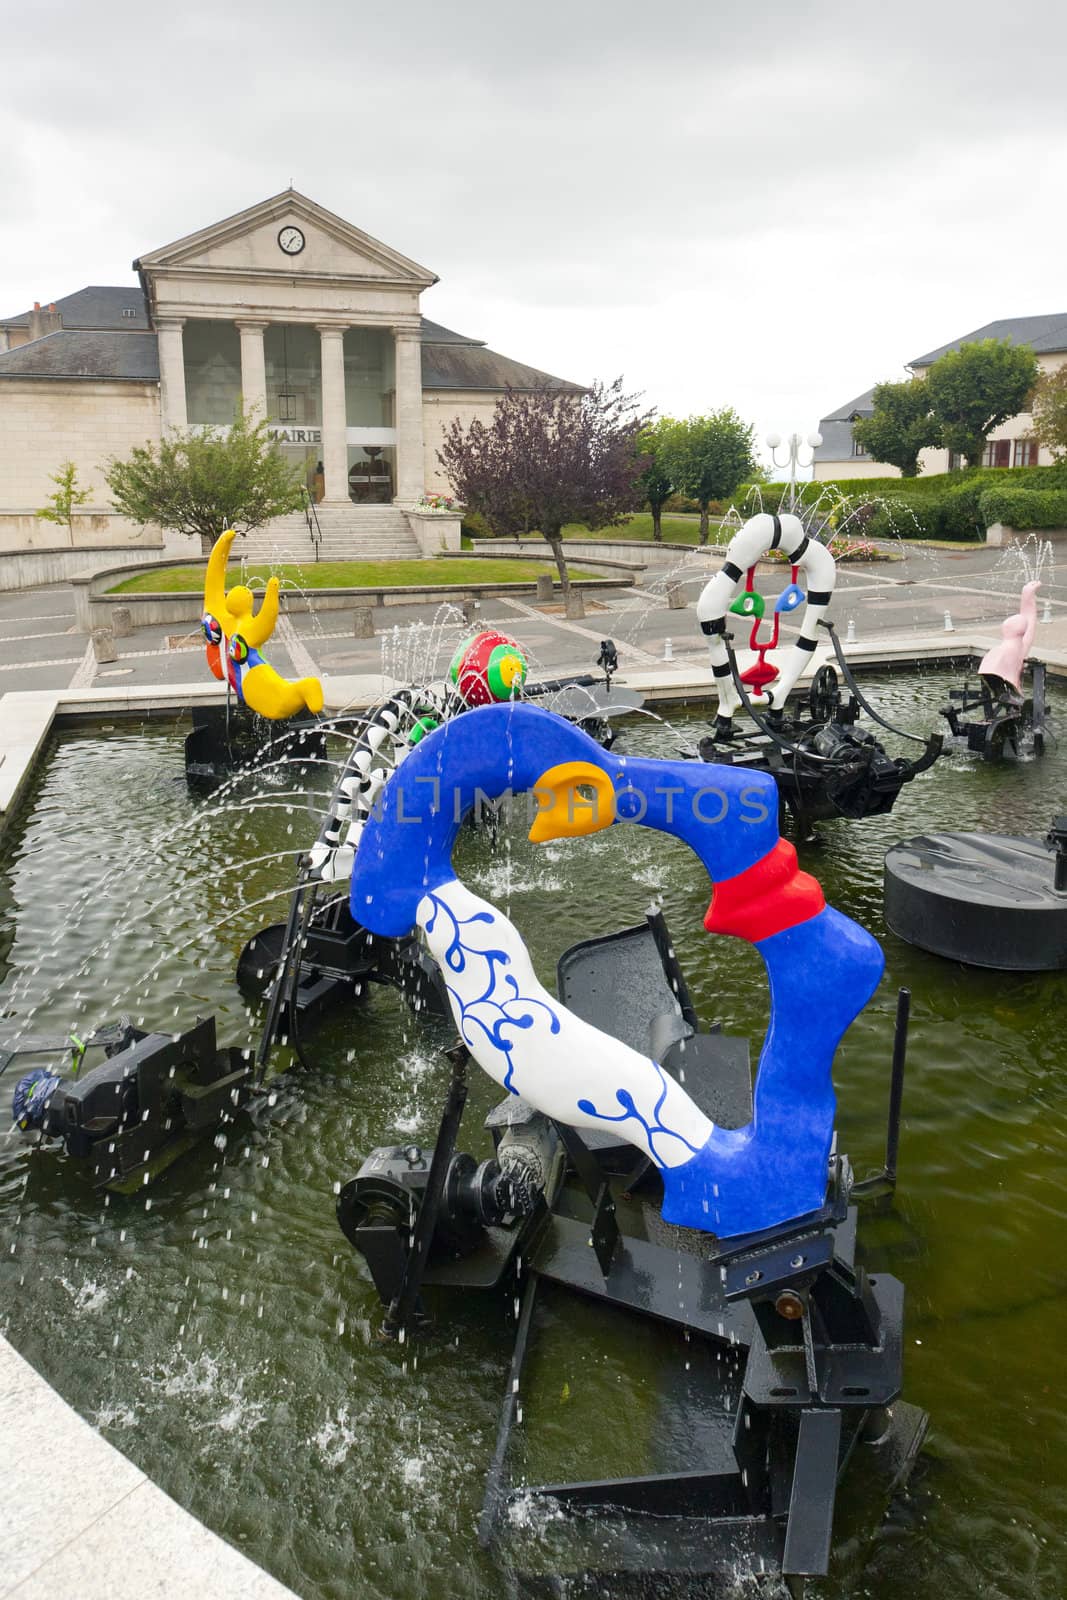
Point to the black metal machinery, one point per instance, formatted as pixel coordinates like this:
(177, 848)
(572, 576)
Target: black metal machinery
(823, 763)
(995, 721)
(799, 1348)
(226, 739)
(152, 1097)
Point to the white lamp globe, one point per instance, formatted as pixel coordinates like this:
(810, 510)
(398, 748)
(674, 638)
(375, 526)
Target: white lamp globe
(774, 440)
(815, 440)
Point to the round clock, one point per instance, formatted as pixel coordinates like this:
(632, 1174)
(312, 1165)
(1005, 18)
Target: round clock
(291, 240)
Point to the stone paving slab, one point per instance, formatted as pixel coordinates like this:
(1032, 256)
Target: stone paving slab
(108, 1533)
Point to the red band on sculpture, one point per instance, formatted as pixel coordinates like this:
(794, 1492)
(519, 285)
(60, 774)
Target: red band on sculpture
(766, 898)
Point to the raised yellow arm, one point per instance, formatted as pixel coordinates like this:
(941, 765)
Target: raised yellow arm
(258, 629)
(215, 581)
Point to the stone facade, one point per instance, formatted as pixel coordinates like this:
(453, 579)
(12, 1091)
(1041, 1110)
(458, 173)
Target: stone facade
(45, 424)
(87, 378)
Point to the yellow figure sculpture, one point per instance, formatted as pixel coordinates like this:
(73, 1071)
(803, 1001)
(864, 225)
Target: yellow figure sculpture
(234, 636)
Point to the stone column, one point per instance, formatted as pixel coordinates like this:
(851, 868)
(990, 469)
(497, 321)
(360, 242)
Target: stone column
(172, 407)
(334, 418)
(253, 368)
(410, 466)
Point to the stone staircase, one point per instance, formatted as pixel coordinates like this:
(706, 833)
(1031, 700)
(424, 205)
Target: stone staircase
(349, 533)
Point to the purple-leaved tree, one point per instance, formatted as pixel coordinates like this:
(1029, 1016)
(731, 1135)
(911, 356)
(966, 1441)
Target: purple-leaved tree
(547, 458)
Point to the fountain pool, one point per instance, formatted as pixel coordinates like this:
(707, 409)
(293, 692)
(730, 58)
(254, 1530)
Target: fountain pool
(222, 1334)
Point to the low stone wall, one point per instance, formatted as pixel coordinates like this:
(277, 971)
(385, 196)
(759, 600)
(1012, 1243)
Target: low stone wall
(540, 552)
(436, 532)
(28, 569)
(999, 533)
(25, 530)
(93, 605)
(624, 551)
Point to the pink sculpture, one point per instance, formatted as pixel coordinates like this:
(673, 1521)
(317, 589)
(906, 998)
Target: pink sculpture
(1006, 660)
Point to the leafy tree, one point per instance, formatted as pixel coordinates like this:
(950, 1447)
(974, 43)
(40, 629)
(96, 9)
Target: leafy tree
(205, 482)
(655, 482)
(1049, 406)
(708, 457)
(60, 507)
(549, 457)
(901, 427)
(975, 388)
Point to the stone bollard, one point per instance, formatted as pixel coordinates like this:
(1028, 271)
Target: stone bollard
(575, 604)
(104, 645)
(544, 586)
(122, 622)
(469, 607)
(363, 622)
(676, 600)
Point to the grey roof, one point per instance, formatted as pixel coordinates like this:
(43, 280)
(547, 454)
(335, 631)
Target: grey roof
(864, 404)
(1044, 334)
(94, 307)
(449, 360)
(434, 333)
(836, 429)
(85, 353)
(466, 366)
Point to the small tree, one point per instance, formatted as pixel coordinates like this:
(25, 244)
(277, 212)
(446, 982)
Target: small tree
(708, 457)
(977, 387)
(549, 457)
(655, 482)
(902, 425)
(1049, 406)
(205, 482)
(60, 507)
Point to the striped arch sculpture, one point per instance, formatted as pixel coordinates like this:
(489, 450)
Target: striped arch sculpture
(732, 590)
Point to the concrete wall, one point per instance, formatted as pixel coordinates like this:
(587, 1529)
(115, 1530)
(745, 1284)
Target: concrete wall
(28, 569)
(439, 408)
(46, 422)
(435, 531)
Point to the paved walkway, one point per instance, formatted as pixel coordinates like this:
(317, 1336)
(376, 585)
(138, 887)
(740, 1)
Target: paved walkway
(40, 647)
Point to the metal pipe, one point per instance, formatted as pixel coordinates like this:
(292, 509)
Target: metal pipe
(896, 1084)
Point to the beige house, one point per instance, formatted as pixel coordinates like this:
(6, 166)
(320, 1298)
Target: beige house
(309, 319)
(1010, 445)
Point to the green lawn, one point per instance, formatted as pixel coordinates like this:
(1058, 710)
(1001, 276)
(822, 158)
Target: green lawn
(351, 575)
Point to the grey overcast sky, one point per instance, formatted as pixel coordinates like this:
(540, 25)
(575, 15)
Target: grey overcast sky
(769, 205)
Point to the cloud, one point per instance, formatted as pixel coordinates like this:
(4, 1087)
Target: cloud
(770, 206)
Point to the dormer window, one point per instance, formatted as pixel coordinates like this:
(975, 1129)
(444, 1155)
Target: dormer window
(129, 311)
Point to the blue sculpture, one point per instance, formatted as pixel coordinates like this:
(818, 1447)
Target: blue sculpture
(822, 967)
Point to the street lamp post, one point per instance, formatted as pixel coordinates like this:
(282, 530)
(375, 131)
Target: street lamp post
(793, 445)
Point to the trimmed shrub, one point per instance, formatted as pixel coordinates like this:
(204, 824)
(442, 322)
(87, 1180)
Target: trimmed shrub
(475, 526)
(1024, 508)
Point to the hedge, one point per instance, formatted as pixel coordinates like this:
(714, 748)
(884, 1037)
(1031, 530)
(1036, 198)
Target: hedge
(947, 505)
(1024, 508)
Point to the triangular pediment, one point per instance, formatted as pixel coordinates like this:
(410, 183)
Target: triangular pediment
(248, 243)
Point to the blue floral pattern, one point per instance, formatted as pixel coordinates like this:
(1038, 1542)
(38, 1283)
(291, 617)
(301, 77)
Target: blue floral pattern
(654, 1129)
(487, 1013)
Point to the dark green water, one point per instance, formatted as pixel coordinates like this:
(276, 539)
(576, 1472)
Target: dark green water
(223, 1336)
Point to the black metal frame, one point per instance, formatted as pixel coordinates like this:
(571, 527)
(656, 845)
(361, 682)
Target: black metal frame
(1004, 721)
(816, 1341)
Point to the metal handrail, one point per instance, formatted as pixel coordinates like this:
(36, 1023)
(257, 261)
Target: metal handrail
(311, 517)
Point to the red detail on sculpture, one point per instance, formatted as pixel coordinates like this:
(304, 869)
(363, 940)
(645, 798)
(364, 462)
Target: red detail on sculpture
(762, 672)
(768, 897)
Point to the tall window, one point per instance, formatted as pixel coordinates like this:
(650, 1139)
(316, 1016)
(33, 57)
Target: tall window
(997, 453)
(1024, 453)
(857, 448)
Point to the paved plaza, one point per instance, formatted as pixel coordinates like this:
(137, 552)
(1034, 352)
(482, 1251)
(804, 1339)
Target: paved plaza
(41, 647)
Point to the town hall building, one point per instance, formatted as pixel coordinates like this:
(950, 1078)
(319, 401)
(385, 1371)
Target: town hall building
(285, 306)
